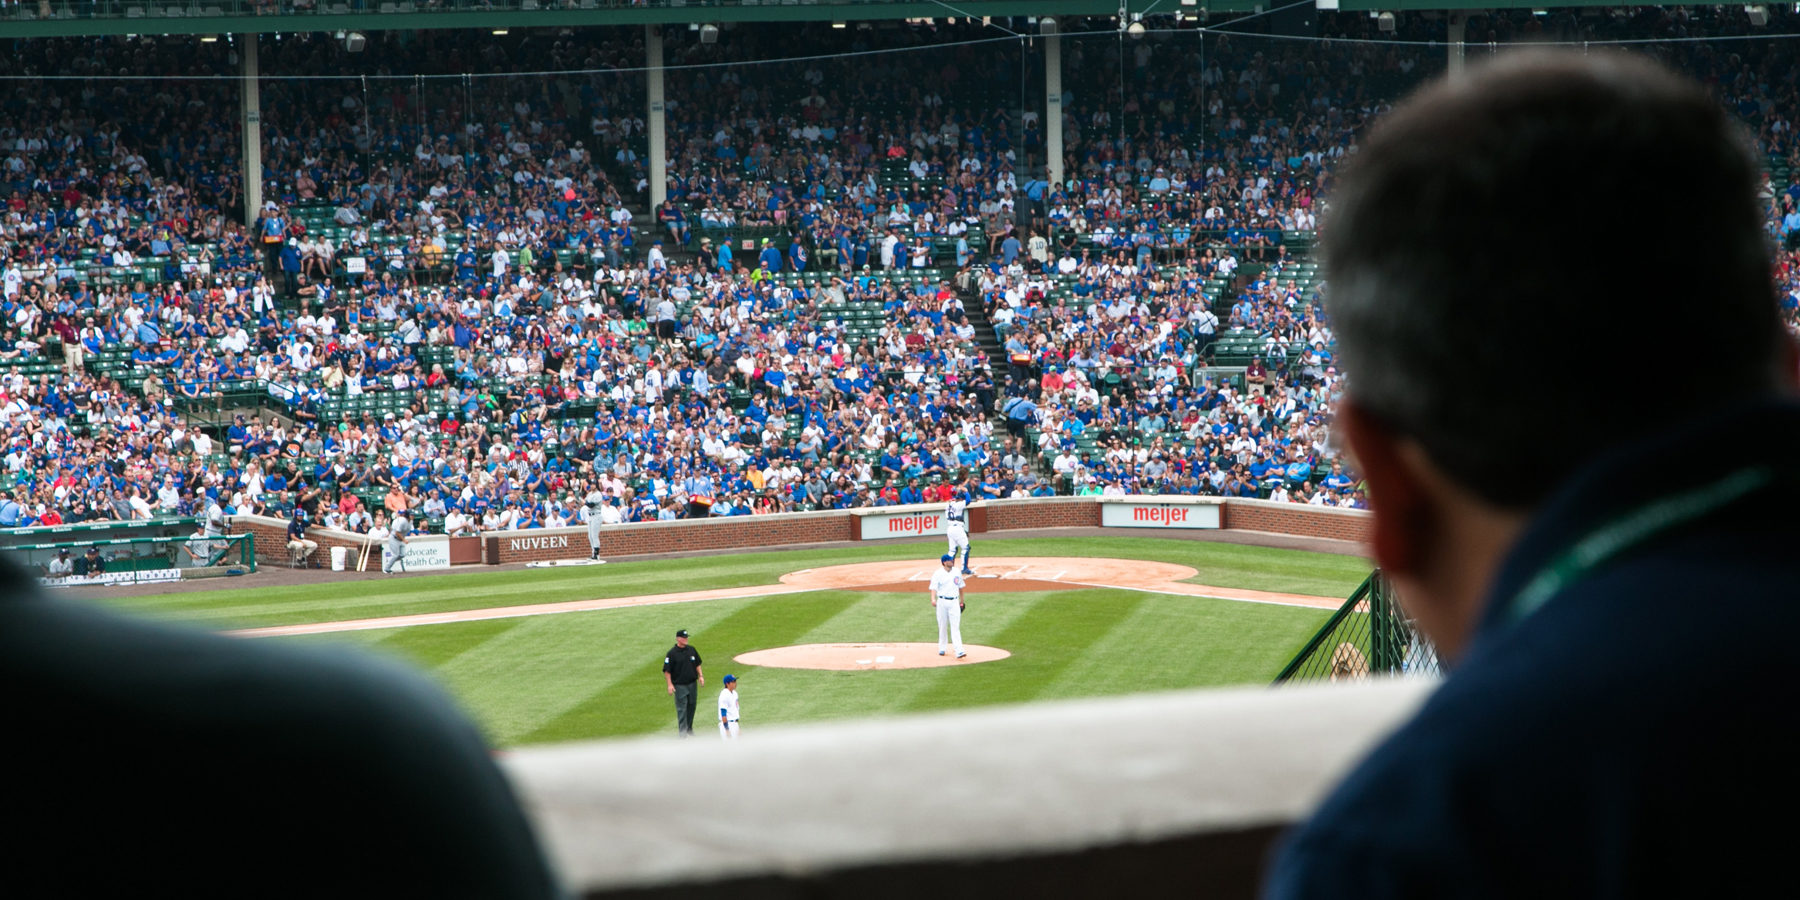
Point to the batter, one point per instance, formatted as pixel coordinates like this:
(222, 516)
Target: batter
(957, 528)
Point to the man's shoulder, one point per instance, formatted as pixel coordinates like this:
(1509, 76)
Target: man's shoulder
(197, 695)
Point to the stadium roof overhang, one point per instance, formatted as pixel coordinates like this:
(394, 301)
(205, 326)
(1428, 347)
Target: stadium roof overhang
(239, 16)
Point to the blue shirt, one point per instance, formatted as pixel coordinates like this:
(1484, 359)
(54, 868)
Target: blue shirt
(1539, 738)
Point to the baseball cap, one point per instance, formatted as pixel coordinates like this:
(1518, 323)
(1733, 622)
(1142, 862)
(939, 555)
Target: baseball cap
(946, 558)
(681, 633)
(730, 678)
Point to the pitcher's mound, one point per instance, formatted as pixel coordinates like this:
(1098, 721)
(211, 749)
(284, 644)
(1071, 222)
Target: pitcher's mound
(856, 657)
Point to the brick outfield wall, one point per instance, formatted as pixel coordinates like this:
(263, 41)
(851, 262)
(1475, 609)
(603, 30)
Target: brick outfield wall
(1043, 512)
(1297, 520)
(672, 537)
(807, 528)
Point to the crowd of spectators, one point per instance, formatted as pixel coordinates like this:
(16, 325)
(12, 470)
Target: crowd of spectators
(458, 303)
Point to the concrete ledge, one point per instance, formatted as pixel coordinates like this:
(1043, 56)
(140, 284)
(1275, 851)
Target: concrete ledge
(1165, 499)
(1131, 791)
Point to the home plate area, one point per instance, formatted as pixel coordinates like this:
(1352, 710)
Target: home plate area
(864, 657)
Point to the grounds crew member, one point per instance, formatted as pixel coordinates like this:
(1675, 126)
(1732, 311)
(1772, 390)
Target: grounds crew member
(681, 672)
(300, 547)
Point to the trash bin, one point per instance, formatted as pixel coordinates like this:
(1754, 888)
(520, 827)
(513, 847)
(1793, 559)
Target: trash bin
(338, 556)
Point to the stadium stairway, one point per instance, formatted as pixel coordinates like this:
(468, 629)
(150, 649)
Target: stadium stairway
(989, 341)
(985, 336)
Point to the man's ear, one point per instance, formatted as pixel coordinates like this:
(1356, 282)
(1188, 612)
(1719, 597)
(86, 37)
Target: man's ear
(1403, 517)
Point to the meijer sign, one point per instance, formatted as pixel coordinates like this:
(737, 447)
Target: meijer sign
(1159, 515)
(899, 525)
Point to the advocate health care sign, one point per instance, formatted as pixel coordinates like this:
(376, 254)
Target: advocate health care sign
(1135, 514)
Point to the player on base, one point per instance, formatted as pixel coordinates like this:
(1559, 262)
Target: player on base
(594, 502)
(946, 595)
(393, 556)
(957, 527)
(728, 709)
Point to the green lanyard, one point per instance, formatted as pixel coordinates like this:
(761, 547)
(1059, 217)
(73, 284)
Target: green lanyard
(1632, 530)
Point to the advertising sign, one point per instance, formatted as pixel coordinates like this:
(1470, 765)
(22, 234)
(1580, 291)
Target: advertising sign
(1159, 515)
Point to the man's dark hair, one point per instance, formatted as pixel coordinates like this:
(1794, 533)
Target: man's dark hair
(1511, 253)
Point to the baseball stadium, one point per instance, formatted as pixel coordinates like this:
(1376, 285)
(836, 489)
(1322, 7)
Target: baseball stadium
(810, 448)
(571, 652)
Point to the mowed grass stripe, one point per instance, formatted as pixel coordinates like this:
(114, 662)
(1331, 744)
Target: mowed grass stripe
(539, 672)
(1238, 641)
(1190, 643)
(433, 648)
(597, 674)
(635, 701)
(879, 617)
(1049, 633)
(799, 695)
(1225, 565)
(620, 660)
(1279, 571)
(483, 589)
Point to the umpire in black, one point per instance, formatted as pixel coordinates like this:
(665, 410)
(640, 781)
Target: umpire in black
(681, 670)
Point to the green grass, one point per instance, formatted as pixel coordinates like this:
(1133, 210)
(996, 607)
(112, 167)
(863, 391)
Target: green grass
(1222, 565)
(598, 674)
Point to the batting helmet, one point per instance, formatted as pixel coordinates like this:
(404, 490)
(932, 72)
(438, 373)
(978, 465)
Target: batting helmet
(947, 558)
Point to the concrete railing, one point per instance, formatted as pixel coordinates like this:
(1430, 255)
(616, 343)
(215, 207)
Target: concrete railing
(1178, 792)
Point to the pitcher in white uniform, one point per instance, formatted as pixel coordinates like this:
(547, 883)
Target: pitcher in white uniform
(946, 595)
(956, 528)
(728, 709)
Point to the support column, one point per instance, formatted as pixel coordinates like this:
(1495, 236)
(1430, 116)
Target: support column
(1053, 111)
(658, 161)
(251, 94)
(1458, 26)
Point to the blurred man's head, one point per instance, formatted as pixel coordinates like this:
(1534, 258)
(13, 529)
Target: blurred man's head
(1500, 249)
(1504, 244)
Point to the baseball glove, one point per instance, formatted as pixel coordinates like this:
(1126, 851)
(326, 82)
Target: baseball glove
(962, 605)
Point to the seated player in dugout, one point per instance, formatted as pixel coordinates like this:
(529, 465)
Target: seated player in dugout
(1607, 572)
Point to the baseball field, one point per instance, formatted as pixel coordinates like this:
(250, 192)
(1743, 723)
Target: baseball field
(557, 654)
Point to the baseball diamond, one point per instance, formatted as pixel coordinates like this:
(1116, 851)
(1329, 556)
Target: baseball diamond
(544, 655)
